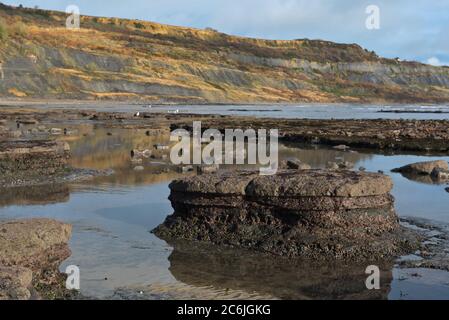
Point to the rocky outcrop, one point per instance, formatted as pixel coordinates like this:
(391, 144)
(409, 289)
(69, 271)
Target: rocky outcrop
(424, 168)
(382, 134)
(430, 172)
(23, 160)
(30, 254)
(307, 213)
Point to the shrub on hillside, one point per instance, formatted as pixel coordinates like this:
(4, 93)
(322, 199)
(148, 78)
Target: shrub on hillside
(18, 28)
(3, 31)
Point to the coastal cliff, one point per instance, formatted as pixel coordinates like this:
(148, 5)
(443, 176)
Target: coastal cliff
(118, 59)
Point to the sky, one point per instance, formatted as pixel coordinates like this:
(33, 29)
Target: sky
(410, 30)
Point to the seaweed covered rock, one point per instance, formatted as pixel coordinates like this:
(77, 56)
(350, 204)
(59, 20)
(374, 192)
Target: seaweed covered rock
(310, 213)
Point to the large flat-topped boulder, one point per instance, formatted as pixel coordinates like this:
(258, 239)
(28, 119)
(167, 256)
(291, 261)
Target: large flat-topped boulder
(302, 183)
(32, 243)
(320, 183)
(310, 213)
(30, 254)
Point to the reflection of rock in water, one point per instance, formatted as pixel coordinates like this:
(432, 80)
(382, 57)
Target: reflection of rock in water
(37, 195)
(202, 265)
(426, 179)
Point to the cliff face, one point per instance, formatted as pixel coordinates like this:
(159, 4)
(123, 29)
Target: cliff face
(112, 58)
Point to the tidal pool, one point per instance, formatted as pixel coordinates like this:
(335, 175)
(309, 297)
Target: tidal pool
(119, 258)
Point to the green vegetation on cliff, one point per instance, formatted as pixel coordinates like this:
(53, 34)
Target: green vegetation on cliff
(110, 58)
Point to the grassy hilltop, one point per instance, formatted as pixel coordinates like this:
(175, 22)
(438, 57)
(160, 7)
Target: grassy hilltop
(119, 59)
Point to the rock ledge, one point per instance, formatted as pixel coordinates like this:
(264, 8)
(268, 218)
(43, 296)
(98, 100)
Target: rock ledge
(310, 213)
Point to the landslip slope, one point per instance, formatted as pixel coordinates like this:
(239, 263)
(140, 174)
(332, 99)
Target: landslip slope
(119, 59)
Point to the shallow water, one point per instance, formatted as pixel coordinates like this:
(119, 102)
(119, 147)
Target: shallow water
(119, 257)
(310, 111)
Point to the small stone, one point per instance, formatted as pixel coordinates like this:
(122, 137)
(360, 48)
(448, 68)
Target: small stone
(345, 165)
(160, 146)
(139, 168)
(295, 164)
(140, 154)
(56, 131)
(208, 168)
(332, 165)
(186, 169)
(341, 147)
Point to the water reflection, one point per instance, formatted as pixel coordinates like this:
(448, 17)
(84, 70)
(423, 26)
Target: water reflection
(112, 216)
(319, 156)
(37, 195)
(422, 178)
(202, 265)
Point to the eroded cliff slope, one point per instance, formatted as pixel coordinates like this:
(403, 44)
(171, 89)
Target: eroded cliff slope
(111, 58)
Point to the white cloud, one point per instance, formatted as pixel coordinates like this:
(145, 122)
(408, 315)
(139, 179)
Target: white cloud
(434, 61)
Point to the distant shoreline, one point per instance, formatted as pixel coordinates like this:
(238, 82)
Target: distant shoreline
(33, 102)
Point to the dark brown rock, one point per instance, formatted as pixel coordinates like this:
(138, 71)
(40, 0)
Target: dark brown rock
(27, 160)
(295, 164)
(310, 213)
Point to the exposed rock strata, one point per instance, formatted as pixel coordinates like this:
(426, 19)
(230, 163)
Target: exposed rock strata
(118, 59)
(309, 213)
(26, 159)
(30, 254)
(382, 134)
(39, 162)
